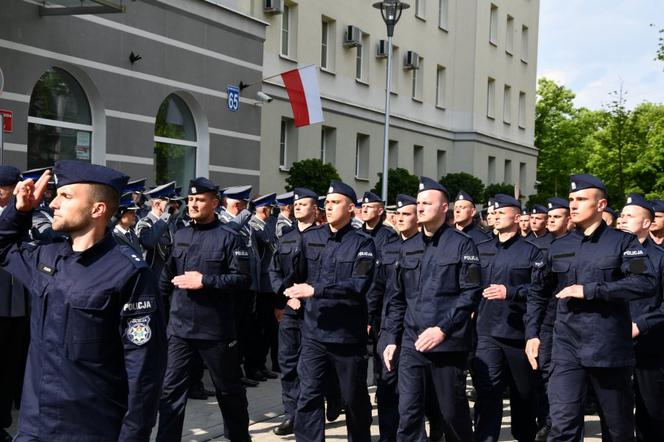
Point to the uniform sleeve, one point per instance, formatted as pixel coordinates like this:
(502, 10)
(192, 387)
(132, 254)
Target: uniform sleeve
(149, 233)
(395, 297)
(17, 257)
(520, 292)
(653, 319)
(376, 293)
(639, 279)
(470, 290)
(142, 328)
(357, 282)
(539, 296)
(237, 263)
(282, 270)
(167, 274)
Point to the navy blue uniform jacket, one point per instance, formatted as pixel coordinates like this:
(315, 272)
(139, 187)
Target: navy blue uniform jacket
(648, 313)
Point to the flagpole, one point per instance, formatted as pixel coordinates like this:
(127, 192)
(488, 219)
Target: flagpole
(243, 85)
(386, 141)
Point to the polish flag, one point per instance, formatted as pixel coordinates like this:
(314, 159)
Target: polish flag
(302, 87)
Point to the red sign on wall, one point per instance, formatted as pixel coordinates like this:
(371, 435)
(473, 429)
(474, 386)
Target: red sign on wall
(7, 120)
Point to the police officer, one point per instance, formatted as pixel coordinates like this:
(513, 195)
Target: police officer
(136, 189)
(464, 216)
(123, 231)
(285, 218)
(207, 264)
(373, 215)
(657, 225)
(264, 330)
(539, 235)
(156, 230)
(610, 216)
(13, 321)
(512, 268)
(595, 272)
(339, 262)
(437, 286)
(647, 327)
(282, 276)
(96, 358)
(524, 223)
(558, 225)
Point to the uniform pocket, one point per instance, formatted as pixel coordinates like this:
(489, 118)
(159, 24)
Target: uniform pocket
(445, 276)
(91, 325)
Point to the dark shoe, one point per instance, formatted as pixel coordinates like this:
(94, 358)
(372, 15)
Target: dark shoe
(285, 428)
(542, 434)
(249, 382)
(209, 392)
(333, 410)
(197, 393)
(269, 374)
(5, 437)
(256, 375)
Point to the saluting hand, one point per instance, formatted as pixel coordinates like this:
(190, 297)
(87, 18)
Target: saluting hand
(28, 193)
(188, 281)
(573, 291)
(388, 355)
(532, 351)
(495, 292)
(299, 291)
(430, 338)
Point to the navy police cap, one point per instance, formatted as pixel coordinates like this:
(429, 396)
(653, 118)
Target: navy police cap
(303, 192)
(343, 189)
(583, 181)
(34, 174)
(557, 203)
(67, 172)
(165, 191)
(135, 186)
(427, 183)
(464, 196)
(405, 200)
(657, 205)
(370, 197)
(636, 199)
(240, 193)
(538, 208)
(10, 175)
(321, 202)
(611, 212)
(265, 200)
(201, 185)
(285, 199)
(501, 200)
(525, 211)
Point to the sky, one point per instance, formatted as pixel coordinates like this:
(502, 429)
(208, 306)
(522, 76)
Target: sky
(591, 46)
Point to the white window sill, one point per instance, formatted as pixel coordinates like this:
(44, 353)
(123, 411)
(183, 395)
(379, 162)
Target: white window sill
(362, 82)
(327, 71)
(365, 180)
(440, 107)
(287, 58)
(284, 169)
(444, 29)
(417, 100)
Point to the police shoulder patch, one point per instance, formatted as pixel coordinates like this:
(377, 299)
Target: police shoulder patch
(139, 331)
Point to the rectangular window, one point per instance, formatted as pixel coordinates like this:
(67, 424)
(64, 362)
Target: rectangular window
(418, 81)
(358, 62)
(509, 35)
(362, 156)
(522, 177)
(443, 14)
(285, 31)
(328, 143)
(393, 155)
(491, 98)
(507, 104)
(522, 110)
(493, 25)
(323, 144)
(418, 160)
(420, 9)
(524, 43)
(440, 86)
(491, 173)
(441, 163)
(287, 143)
(325, 31)
(508, 172)
(283, 144)
(396, 71)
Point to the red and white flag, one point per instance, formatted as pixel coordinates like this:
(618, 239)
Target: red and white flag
(302, 87)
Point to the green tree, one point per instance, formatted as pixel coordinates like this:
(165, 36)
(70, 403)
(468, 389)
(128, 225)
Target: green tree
(399, 180)
(313, 174)
(660, 46)
(492, 189)
(470, 184)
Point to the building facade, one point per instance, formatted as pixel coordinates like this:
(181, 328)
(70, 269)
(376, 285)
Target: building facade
(143, 91)
(463, 88)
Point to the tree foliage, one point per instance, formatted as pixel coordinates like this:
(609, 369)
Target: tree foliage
(313, 174)
(399, 180)
(454, 182)
(492, 189)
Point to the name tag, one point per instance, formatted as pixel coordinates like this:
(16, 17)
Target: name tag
(46, 269)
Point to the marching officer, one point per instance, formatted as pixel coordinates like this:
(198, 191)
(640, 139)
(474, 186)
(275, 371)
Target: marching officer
(647, 327)
(207, 265)
(595, 272)
(438, 286)
(96, 358)
(524, 223)
(539, 218)
(123, 231)
(373, 214)
(339, 263)
(285, 218)
(464, 216)
(156, 230)
(512, 268)
(610, 216)
(657, 225)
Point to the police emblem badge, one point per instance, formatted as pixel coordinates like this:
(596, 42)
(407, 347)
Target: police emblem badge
(138, 330)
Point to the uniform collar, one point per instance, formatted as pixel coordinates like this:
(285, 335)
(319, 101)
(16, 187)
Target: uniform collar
(207, 226)
(374, 231)
(436, 236)
(468, 228)
(98, 249)
(593, 237)
(339, 234)
(509, 242)
(259, 221)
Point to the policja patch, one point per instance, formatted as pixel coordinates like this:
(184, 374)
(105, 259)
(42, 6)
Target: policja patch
(138, 330)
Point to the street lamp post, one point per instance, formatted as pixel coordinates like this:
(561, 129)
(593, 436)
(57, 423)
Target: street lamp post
(391, 11)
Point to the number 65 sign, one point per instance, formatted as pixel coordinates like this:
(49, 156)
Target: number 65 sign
(233, 98)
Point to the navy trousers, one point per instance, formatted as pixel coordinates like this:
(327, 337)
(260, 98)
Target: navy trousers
(649, 392)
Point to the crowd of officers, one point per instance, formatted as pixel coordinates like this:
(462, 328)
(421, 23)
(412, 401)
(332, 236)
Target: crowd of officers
(131, 293)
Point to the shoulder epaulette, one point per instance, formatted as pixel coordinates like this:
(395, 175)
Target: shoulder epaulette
(135, 258)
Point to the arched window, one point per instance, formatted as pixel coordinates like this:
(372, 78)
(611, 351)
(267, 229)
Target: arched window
(59, 120)
(175, 142)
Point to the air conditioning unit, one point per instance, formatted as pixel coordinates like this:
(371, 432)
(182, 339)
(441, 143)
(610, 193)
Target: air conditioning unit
(352, 37)
(273, 6)
(381, 49)
(412, 60)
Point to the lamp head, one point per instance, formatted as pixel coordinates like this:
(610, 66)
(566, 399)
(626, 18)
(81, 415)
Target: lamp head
(391, 11)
